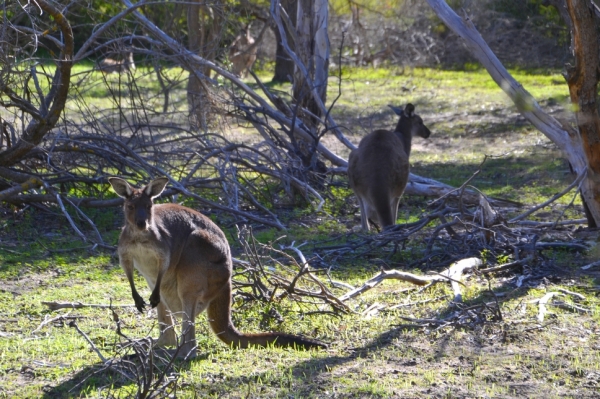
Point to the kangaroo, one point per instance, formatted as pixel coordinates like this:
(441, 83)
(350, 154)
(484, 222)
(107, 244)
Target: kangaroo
(110, 65)
(378, 169)
(186, 261)
(242, 54)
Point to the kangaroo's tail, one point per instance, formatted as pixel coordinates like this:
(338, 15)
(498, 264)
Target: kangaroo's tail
(219, 316)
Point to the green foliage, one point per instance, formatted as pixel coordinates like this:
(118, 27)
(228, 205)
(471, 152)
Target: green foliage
(386, 8)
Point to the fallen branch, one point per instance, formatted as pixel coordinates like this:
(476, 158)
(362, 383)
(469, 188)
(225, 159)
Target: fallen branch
(542, 305)
(506, 266)
(456, 270)
(73, 324)
(551, 200)
(575, 294)
(591, 265)
(62, 318)
(305, 269)
(390, 274)
(453, 273)
(571, 307)
(79, 305)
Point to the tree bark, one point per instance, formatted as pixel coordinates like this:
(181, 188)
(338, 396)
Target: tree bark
(583, 88)
(204, 24)
(51, 106)
(566, 138)
(284, 66)
(312, 48)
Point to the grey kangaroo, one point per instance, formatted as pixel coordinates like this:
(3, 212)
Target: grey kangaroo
(378, 169)
(186, 261)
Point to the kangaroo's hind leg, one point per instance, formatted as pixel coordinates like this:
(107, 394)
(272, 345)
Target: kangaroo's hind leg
(167, 327)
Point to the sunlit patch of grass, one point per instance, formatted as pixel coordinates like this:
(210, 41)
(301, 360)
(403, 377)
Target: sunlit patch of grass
(372, 353)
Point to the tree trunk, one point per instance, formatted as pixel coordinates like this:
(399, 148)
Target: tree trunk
(204, 28)
(44, 118)
(583, 88)
(568, 140)
(284, 66)
(313, 51)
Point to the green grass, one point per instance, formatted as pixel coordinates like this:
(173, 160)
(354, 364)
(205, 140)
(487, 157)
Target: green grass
(374, 354)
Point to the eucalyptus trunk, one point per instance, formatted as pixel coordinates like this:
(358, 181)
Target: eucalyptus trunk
(204, 31)
(284, 66)
(580, 147)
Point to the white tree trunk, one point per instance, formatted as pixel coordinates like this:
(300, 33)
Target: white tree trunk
(567, 139)
(321, 46)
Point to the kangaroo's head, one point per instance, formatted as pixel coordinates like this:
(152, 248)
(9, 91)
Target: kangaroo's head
(410, 122)
(138, 201)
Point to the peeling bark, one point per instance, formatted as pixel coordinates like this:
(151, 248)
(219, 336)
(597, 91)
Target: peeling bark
(583, 88)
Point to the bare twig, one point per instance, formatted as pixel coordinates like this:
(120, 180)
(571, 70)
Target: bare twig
(574, 184)
(73, 324)
(78, 305)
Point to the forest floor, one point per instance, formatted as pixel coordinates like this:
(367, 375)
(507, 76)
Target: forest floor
(396, 340)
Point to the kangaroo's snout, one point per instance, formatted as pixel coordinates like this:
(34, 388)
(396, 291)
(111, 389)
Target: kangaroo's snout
(142, 217)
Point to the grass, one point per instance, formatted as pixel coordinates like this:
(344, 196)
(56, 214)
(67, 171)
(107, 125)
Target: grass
(372, 354)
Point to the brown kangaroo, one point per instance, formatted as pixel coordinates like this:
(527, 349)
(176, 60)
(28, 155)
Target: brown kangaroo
(110, 65)
(242, 53)
(378, 169)
(186, 261)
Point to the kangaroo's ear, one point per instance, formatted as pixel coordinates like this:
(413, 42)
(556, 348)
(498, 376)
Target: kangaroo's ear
(397, 110)
(409, 110)
(121, 187)
(156, 186)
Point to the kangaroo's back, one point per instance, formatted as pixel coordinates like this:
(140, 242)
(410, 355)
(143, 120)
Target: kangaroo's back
(378, 169)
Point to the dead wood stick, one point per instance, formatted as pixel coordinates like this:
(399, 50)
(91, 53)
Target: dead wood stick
(87, 219)
(542, 305)
(461, 189)
(591, 265)
(73, 324)
(506, 266)
(390, 274)
(47, 321)
(306, 269)
(551, 200)
(455, 272)
(575, 246)
(570, 307)
(575, 294)
(550, 224)
(400, 305)
(79, 305)
(73, 225)
(33, 182)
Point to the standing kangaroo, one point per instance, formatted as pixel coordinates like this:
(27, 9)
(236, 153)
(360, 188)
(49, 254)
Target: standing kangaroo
(242, 53)
(186, 261)
(111, 65)
(378, 169)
